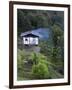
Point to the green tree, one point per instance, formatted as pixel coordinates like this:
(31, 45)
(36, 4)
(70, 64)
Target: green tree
(58, 48)
(57, 32)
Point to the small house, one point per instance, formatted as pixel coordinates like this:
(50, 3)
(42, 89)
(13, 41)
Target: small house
(29, 38)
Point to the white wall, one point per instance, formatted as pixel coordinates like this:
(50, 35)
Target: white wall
(4, 45)
(24, 40)
(30, 40)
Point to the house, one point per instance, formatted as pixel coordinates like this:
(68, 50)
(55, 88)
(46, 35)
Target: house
(30, 38)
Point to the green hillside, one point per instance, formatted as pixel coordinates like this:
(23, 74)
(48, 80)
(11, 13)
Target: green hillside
(45, 61)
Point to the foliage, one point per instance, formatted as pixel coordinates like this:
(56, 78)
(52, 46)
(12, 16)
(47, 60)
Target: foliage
(58, 43)
(20, 58)
(33, 19)
(39, 71)
(49, 62)
(37, 57)
(40, 66)
(57, 32)
(45, 47)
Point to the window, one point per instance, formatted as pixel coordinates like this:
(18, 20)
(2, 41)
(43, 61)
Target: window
(26, 39)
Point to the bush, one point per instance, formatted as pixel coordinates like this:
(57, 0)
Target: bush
(38, 57)
(39, 67)
(20, 58)
(40, 71)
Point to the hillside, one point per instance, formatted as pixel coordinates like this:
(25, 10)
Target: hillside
(46, 60)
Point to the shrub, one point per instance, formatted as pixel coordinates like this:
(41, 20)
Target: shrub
(38, 57)
(40, 71)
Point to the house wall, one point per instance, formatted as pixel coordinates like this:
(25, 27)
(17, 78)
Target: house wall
(24, 40)
(30, 40)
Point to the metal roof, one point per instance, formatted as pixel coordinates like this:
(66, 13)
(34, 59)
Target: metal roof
(28, 32)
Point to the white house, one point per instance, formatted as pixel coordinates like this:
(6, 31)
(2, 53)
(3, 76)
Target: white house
(30, 38)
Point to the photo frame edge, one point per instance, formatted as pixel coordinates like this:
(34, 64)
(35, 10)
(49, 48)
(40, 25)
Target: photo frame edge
(11, 3)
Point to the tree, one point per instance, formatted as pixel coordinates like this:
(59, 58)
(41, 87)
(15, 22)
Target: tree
(58, 48)
(57, 32)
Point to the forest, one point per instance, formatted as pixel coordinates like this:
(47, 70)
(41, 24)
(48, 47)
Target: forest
(48, 63)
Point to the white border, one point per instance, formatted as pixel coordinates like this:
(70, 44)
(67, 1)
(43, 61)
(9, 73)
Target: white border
(32, 82)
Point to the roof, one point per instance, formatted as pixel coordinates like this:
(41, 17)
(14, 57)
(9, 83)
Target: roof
(28, 33)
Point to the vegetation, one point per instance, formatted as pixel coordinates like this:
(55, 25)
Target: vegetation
(39, 71)
(33, 19)
(49, 62)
